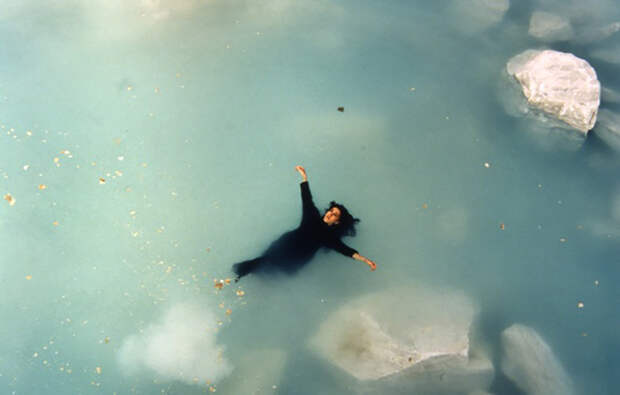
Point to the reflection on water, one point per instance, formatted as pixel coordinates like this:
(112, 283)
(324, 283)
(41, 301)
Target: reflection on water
(148, 145)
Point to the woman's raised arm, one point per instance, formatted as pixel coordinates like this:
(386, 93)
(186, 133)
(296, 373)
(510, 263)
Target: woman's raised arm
(308, 208)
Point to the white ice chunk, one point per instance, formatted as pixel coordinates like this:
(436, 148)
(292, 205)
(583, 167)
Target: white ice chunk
(559, 84)
(406, 338)
(530, 363)
(182, 346)
(443, 375)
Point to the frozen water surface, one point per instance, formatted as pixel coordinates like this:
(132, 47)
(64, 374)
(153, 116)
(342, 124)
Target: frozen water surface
(145, 146)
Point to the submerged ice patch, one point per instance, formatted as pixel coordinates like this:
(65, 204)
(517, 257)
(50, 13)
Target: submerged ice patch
(181, 347)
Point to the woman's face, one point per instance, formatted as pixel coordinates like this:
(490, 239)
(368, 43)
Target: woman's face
(332, 216)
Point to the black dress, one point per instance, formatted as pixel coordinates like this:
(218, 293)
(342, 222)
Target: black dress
(295, 248)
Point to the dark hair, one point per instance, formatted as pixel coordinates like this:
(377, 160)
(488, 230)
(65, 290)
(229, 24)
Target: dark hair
(346, 222)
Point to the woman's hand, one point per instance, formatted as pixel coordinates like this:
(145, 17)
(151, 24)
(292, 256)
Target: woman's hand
(302, 171)
(373, 266)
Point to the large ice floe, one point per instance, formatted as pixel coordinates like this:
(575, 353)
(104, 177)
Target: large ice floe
(560, 85)
(406, 340)
(530, 363)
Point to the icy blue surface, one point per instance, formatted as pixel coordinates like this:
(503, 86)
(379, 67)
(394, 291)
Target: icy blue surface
(148, 145)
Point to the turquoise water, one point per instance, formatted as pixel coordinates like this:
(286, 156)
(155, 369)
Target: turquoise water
(148, 145)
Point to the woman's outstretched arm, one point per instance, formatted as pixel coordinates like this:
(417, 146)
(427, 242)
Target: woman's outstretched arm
(367, 261)
(344, 249)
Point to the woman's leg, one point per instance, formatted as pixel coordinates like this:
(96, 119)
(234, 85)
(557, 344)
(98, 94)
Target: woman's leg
(246, 267)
